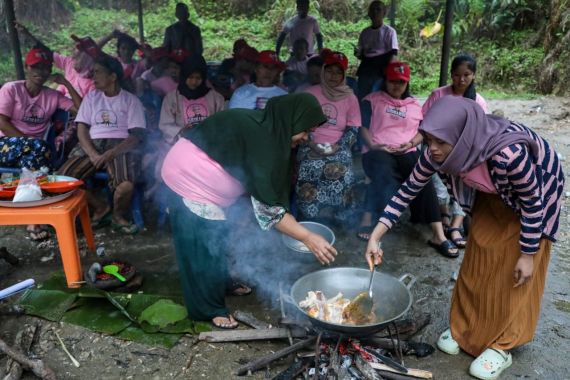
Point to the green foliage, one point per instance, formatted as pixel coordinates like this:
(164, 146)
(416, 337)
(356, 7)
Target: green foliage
(163, 313)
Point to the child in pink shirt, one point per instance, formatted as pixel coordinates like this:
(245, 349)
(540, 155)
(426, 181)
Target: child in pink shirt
(390, 154)
(325, 164)
(463, 71)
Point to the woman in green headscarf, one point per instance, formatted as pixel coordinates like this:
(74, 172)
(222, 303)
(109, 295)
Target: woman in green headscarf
(232, 153)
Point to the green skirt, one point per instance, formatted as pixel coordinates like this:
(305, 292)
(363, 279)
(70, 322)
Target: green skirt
(201, 247)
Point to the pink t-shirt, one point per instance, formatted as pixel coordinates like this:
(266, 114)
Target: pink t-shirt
(304, 28)
(447, 90)
(479, 179)
(195, 110)
(111, 117)
(193, 175)
(374, 42)
(340, 114)
(163, 85)
(134, 69)
(81, 84)
(394, 121)
(31, 116)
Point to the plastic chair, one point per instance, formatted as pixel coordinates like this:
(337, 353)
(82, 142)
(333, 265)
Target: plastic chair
(61, 215)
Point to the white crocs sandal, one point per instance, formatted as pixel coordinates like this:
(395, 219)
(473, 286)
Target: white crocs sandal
(490, 364)
(447, 344)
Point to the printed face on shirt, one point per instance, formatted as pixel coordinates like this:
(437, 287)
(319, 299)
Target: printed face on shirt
(462, 77)
(266, 75)
(106, 118)
(38, 74)
(438, 149)
(194, 81)
(396, 88)
(195, 114)
(334, 75)
(260, 102)
(34, 114)
(331, 113)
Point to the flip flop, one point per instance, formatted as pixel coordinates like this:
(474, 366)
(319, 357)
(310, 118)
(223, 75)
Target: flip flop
(236, 288)
(364, 232)
(225, 326)
(444, 248)
(459, 242)
(129, 229)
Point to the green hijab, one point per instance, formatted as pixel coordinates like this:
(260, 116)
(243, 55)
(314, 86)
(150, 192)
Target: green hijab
(254, 146)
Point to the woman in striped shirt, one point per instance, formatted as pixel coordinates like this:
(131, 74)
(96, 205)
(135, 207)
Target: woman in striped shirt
(519, 184)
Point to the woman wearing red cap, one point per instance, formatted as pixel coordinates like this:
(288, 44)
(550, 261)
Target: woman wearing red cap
(326, 179)
(390, 153)
(254, 96)
(26, 110)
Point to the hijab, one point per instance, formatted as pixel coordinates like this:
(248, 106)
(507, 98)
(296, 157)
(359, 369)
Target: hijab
(191, 65)
(254, 146)
(475, 136)
(337, 93)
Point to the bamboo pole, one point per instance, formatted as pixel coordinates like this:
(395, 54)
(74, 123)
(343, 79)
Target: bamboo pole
(141, 26)
(443, 73)
(14, 40)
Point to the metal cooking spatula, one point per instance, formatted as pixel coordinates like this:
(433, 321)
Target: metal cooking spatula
(360, 307)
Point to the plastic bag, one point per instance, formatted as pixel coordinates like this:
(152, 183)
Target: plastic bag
(28, 189)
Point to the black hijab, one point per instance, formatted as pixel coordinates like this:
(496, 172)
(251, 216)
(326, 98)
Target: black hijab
(191, 65)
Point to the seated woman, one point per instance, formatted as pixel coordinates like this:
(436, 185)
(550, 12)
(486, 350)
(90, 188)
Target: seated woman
(111, 125)
(162, 77)
(516, 212)
(325, 176)
(390, 153)
(234, 152)
(26, 109)
(463, 71)
(126, 47)
(254, 96)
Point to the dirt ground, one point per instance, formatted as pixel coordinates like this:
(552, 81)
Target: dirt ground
(105, 357)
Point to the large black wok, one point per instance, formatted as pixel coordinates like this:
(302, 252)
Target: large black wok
(392, 297)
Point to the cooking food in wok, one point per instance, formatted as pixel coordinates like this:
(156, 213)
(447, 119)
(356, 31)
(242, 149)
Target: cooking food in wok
(339, 309)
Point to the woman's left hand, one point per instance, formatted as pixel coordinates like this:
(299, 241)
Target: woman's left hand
(323, 251)
(403, 148)
(523, 269)
(103, 159)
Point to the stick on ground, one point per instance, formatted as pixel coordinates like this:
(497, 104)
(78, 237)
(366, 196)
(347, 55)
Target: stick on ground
(36, 366)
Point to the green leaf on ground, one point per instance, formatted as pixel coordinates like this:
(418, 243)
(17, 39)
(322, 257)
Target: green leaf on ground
(47, 304)
(137, 334)
(163, 313)
(97, 315)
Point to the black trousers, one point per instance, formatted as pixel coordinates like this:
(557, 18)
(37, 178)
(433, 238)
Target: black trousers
(388, 172)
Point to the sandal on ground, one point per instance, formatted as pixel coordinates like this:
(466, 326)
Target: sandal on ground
(38, 233)
(125, 229)
(459, 242)
(445, 248)
(490, 364)
(103, 221)
(364, 232)
(231, 324)
(447, 344)
(236, 288)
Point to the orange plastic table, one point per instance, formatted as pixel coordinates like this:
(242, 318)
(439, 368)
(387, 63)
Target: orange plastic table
(61, 215)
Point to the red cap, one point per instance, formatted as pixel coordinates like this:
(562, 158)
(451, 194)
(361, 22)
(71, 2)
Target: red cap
(37, 55)
(336, 58)
(269, 57)
(398, 71)
(248, 53)
(87, 45)
(179, 55)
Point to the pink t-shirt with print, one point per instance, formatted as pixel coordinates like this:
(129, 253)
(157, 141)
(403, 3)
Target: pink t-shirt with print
(195, 110)
(374, 42)
(304, 28)
(80, 83)
(448, 90)
(340, 114)
(31, 116)
(193, 175)
(111, 117)
(394, 121)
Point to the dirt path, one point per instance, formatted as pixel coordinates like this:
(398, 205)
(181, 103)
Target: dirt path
(105, 357)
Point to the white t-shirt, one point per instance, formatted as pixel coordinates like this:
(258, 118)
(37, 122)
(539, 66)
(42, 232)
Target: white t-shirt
(254, 98)
(304, 28)
(111, 117)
